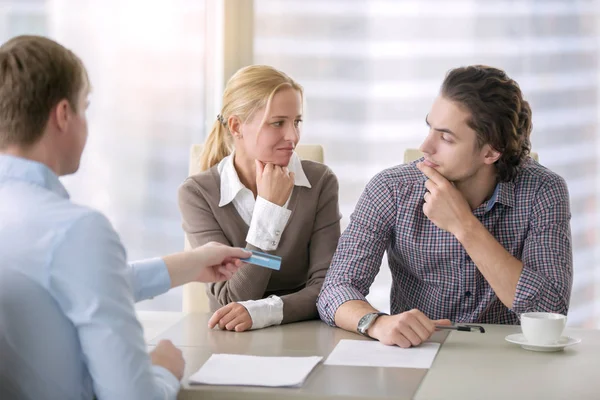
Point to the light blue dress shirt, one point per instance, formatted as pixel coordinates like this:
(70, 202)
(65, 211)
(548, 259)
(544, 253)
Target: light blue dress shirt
(68, 328)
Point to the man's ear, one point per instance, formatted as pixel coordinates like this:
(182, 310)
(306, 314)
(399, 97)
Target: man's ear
(61, 114)
(490, 154)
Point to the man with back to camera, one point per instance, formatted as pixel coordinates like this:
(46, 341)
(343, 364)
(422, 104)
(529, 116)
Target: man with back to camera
(476, 231)
(68, 328)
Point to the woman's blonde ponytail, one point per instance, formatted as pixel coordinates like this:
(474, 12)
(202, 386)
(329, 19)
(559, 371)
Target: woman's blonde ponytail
(216, 147)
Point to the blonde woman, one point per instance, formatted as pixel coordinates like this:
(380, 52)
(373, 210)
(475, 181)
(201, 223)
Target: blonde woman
(255, 192)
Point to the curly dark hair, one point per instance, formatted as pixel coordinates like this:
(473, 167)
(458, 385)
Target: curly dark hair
(499, 114)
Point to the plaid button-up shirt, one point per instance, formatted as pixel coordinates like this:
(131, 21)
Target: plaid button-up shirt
(431, 271)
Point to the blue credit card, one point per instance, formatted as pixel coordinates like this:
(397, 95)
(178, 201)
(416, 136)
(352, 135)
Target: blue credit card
(263, 260)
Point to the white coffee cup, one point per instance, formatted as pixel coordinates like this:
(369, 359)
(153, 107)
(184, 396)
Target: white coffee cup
(542, 327)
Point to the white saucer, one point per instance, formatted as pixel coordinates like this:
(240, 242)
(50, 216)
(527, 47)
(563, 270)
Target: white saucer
(563, 342)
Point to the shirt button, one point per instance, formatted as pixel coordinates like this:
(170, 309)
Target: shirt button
(274, 243)
(468, 259)
(277, 233)
(467, 294)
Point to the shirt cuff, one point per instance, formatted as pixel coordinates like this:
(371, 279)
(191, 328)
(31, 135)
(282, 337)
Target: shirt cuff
(150, 278)
(168, 381)
(267, 225)
(264, 312)
(332, 298)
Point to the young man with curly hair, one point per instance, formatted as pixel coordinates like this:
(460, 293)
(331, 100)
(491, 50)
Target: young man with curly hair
(475, 231)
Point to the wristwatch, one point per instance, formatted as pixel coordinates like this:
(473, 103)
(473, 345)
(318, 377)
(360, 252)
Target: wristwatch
(365, 322)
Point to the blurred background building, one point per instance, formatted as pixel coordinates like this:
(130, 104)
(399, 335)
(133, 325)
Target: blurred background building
(370, 69)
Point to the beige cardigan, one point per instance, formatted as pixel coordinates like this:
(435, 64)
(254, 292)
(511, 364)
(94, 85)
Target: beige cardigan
(306, 245)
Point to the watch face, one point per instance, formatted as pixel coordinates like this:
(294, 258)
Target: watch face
(365, 322)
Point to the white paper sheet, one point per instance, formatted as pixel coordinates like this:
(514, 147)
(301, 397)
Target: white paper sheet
(235, 369)
(363, 353)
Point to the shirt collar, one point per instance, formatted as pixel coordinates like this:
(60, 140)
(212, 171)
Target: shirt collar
(22, 169)
(504, 193)
(231, 184)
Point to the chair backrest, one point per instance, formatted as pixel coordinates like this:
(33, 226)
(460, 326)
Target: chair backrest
(35, 336)
(194, 295)
(411, 155)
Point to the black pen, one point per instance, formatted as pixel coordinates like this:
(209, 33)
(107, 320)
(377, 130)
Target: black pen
(462, 328)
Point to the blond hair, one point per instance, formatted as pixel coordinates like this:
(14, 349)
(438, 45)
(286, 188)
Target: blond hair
(36, 73)
(248, 90)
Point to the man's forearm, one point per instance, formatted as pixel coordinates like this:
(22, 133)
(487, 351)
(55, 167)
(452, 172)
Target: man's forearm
(349, 313)
(178, 268)
(496, 264)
